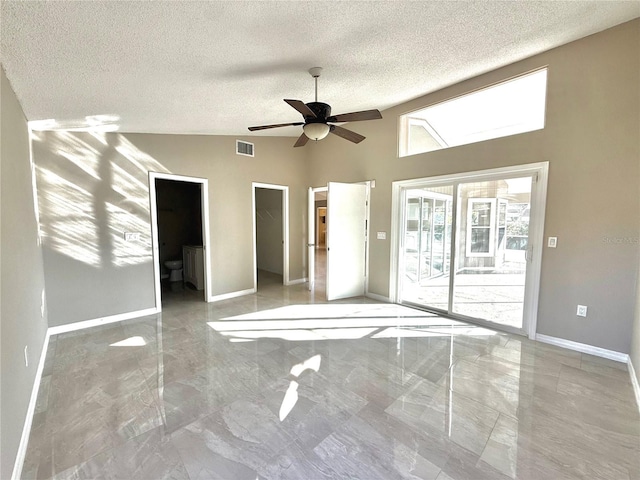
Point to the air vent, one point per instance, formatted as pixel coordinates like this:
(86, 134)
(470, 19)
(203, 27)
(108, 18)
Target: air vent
(244, 148)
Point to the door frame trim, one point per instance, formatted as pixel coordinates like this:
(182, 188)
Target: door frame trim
(204, 204)
(539, 170)
(284, 189)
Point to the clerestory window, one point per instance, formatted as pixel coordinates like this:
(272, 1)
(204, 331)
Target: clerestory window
(508, 108)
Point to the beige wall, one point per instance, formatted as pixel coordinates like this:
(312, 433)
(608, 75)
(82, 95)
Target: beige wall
(93, 188)
(230, 196)
(23, 319)
(591, 141)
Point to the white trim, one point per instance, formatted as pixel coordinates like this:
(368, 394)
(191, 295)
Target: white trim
(253, 148)
(226, 296)
(311, 233)
(536, 243)
(634, 382)
(70, 327)
(397, 240)
(28, 421)
(155, 248)
(380, 298)
(367, 237)
(206, 241)
(297, 281)
(513, 171)
(285, 230)
(583, 348)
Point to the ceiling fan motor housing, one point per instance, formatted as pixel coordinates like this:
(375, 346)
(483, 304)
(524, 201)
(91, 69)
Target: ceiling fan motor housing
(322, 111)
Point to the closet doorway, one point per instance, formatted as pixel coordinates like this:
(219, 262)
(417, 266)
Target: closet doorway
(270, 234)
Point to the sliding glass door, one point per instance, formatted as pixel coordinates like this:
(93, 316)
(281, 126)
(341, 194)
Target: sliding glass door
(465, 246)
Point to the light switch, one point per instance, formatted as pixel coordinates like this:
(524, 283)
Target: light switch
(381, 235)
(553, 242)
(131, 236)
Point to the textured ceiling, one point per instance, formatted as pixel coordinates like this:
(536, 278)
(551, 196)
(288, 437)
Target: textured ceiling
(218, 67)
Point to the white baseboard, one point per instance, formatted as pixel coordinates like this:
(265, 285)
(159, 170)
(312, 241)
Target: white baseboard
(375, 296)
(297, 281)
(583, 348)
(634, 382)
(101, 321)
(226, 296)
(28, 421)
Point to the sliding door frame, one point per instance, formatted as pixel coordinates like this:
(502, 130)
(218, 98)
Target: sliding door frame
(539, 172)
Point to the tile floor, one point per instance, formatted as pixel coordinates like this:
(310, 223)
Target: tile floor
(281, 385)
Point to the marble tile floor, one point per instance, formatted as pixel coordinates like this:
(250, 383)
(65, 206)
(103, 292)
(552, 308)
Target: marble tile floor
(282, 385)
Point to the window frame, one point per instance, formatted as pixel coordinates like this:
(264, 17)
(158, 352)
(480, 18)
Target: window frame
(491, 227)
(407, 119)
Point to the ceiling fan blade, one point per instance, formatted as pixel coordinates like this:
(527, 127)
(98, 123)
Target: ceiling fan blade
(301, 107)
(302, 141)
(356, 116)
(264, 127)
(347, 134)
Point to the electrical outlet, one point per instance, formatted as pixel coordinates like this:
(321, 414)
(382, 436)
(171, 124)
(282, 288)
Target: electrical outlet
(26, 355)
(582, 311)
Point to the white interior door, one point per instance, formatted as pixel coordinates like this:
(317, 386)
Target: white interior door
(346, 240)
(311, 248)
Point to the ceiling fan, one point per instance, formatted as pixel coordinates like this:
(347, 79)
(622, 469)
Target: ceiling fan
(317, 119)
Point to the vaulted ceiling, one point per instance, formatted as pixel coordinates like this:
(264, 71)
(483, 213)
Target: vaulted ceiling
(218, 67)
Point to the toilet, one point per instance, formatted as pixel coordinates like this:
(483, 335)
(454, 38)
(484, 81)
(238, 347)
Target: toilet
(175, 267)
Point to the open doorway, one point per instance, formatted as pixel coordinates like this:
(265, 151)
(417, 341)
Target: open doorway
(270, 235)
(318, 286)
(339, 268)
(180, 234)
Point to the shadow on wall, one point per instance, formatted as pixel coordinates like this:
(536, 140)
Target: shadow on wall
(93, 188)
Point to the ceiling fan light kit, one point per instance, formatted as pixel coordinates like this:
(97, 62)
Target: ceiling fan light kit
(316, 131)
(317, 115)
